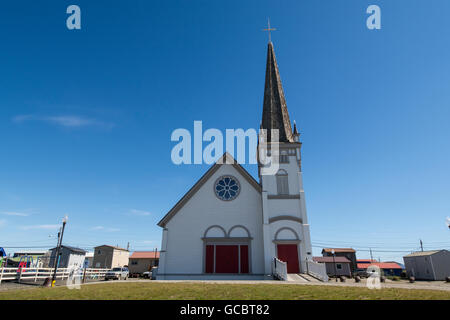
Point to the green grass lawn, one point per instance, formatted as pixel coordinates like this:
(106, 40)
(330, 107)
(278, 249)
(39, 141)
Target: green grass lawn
(194, 291)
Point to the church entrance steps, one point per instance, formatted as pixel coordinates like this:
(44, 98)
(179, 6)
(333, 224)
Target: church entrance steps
(296, 278)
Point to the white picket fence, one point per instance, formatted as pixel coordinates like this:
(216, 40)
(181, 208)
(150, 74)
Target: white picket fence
(35, 274)
(279, 269)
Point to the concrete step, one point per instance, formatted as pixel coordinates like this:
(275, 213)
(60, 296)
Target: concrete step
(294, 277)
(308, 278)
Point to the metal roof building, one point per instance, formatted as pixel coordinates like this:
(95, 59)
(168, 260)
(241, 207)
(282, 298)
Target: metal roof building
(428, 265)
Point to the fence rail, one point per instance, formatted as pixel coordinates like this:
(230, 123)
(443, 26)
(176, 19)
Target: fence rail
(279, 269)
(317, 270)
(35, 274)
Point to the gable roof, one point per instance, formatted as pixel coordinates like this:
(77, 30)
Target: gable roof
(225, 159)
(145, 255)
(381, 265)
(331, 259)
(337, 250)
(114, 247)
(423, 253)
(73, 249)
(365, 260)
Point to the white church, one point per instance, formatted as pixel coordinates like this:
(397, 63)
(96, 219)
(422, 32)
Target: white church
(229, 225)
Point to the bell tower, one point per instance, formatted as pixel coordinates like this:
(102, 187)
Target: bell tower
(285, 223)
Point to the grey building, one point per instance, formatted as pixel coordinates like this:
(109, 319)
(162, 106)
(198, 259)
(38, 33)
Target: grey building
(336, 266)
(68, 257)
(428, 265)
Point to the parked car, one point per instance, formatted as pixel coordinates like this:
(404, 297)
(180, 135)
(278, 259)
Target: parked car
(151, 274)
(362, 274)
(118, 273)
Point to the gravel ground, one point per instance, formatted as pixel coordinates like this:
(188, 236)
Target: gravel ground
(424, 285)
(402, 284)
(30, 284)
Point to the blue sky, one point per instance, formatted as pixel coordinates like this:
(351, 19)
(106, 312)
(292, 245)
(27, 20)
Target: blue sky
(86, 115)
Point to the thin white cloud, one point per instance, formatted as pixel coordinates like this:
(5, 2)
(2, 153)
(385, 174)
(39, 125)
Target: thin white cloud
(22, 118)
(41, 226)
(72, 121)
(147, 241)
(2, 222)
(17, 214)
(139, 212)
(68, 121)
(102, 228)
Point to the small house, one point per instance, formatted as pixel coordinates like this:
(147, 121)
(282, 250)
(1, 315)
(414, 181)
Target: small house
(68, 257)
(142, 261)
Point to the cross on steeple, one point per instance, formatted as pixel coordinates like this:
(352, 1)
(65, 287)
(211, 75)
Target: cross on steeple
(269, 29)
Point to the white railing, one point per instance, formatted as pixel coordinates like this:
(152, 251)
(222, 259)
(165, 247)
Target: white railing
(279, 269)
(317, 270)
(35, 274)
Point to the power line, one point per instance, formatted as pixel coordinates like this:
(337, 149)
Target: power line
(368, 250)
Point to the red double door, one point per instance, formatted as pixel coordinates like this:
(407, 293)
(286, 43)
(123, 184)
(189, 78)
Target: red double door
(289, 254)
(226, 259)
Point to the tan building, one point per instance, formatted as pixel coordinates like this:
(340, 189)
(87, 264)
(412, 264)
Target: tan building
(109, 257)
(142, 261)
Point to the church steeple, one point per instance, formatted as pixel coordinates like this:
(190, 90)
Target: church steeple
(275, 112)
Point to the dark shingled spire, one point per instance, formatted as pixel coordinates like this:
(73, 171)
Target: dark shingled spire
(275, 113)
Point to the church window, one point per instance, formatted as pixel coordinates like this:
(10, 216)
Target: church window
(227, 188)
(284, 158)
(282, 182)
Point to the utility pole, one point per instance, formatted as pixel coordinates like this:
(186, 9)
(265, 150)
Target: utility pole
(58, 249)
(128, 246)
(421, 245)
(57, 246)
(371, 257)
